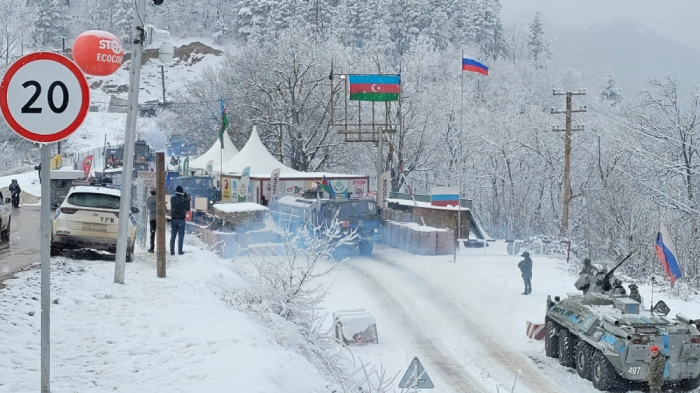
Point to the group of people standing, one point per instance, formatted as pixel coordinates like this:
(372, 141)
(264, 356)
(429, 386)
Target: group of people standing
(179, 206)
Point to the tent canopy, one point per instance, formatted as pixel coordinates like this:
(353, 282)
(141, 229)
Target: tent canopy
(255, 155)
(215, 154)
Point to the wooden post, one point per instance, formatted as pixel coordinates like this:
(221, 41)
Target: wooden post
(566, 185)
(160, 214)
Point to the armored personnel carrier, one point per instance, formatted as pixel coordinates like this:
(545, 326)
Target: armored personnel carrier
(606, 336)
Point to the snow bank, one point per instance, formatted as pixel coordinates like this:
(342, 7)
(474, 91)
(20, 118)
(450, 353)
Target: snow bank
(420, 228)
(239, 207)
(149, 335)
(28, 182)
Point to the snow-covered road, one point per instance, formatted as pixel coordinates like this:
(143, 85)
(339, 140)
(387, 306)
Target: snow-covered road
(465, 321)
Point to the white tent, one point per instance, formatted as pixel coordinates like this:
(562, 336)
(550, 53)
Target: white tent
(215, 154)
(255, 155)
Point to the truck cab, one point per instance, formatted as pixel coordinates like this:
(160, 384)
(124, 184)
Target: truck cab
(353, 214)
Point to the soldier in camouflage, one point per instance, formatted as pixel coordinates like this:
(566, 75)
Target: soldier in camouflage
(587, 267)
(526, 269)
(634, 294)
(657, 366)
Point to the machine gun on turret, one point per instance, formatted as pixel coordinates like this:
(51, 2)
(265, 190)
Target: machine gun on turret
(605, 284)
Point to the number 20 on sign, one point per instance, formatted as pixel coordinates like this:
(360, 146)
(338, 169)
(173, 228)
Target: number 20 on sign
(44, 97)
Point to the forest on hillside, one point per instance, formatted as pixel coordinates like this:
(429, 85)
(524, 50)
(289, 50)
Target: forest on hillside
(633, 166)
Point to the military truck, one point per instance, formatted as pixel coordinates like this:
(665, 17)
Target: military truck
(606, 336)
(353, 214)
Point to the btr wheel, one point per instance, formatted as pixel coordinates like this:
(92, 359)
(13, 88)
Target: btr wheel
(689, 384)
(584, 361)
(603, 374)
(567, 348)
(551, 338)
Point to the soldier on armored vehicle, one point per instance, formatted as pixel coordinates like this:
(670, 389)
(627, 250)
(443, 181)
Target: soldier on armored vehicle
(608, 338)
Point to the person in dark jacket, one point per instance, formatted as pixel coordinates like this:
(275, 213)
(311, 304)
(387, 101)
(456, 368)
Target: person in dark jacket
(526, 269)
(179, 206)
(655, 376)
(15, 191)
(38, 169)
(151, 204)
(634, 294)
(588, 268)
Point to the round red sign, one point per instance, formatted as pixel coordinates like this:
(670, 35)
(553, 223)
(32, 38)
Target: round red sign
(44, 97)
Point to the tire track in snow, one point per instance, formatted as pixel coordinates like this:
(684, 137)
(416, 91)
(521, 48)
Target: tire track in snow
(448, 369)
(501, 356)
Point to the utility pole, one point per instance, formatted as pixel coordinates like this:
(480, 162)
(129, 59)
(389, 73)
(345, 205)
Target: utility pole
(160, 214)
(137, 44)
(162, 80)
(567, 151)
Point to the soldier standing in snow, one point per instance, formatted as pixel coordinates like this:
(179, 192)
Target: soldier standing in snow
(655, 376)
(526, 269)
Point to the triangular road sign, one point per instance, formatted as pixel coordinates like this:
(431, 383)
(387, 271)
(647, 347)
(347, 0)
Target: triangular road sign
(416, 376)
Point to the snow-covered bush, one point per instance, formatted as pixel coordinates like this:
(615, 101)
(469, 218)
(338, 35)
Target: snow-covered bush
(283, 294)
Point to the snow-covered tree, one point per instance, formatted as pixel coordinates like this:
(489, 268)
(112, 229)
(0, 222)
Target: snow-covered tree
(612, 91)
(51, 21)
(539, 48)
(123, 21)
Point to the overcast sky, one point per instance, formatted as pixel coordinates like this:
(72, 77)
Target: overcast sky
(677, 19)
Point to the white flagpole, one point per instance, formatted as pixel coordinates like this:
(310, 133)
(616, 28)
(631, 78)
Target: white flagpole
(461, 125)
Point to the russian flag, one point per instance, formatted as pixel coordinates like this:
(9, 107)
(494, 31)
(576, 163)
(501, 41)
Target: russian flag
(666, 252)
(474, 66)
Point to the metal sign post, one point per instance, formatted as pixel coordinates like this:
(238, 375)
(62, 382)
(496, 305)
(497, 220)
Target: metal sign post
(44, 98)
(45, 268)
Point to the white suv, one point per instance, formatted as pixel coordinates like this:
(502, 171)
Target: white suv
(89, 218)
(5, 221)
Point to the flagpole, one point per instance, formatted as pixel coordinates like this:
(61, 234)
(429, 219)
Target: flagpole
(461, 125)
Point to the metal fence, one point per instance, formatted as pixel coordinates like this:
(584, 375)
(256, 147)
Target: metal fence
(139, 194)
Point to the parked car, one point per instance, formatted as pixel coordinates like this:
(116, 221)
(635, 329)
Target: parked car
(5, 220)
(89, 218)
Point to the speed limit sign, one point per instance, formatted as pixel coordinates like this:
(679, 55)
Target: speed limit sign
(44, 97)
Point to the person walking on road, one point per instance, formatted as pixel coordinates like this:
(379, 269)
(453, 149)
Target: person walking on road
(151, 204)
(15, 191)
(526, 269)
(179, 206)
(656, 370)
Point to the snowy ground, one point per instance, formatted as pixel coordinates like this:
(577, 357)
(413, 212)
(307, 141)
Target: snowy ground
(465, 321)
(149, 335)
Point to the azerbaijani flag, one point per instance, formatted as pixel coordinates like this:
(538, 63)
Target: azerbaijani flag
(474, 66)
(224, 122)
(666, 252)
(375, 87)
(326, 186)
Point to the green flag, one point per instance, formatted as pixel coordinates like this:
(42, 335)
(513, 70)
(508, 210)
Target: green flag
(224, 123)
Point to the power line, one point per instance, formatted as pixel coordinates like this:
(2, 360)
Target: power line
(670, 165)
(647, 134)
(640, 181)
